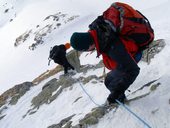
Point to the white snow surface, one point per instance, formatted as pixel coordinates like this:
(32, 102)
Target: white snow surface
(19, 64)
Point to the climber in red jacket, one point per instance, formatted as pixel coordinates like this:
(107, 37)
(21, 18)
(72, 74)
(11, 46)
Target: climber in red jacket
(119, 35)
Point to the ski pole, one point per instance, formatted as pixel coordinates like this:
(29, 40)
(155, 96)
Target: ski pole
(128, 109)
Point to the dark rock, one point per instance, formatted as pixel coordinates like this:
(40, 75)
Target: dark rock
(93, 117)
(154, 48)
(1, 117)
(154, 86)
(77, 99)
(6, 10)
(22, 38)
(54, 126)
(46, 97)
(51, 82)
(73, 59)
(15, 93)
(89, 78)
(64, 123)
(89, 120)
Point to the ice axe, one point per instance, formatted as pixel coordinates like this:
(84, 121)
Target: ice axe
(49, 59)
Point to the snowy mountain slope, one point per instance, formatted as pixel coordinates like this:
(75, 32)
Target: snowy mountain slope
(25, 65)
(73, 101)
(26, 20)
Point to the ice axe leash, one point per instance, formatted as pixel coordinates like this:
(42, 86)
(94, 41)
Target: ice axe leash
(135, 115)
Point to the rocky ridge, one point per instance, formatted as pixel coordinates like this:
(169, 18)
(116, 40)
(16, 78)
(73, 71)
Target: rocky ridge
(41, 32)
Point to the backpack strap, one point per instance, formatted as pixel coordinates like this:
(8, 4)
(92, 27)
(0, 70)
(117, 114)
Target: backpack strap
(121, 11)
(148, 23)
(142, 20)
(104, 30)
(111, 25)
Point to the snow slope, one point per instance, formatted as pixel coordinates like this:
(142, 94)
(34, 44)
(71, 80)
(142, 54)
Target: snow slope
(26, 19)
(20, 65)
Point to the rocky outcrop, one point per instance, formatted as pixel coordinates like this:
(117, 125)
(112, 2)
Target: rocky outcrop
(90, 119)
(154, 48)
(64, 123)
(22, 38)
(47, 74)
(73, 59)
(46, 96)
(41, 32)
(52, 89)
(12, 95)
(93, 117)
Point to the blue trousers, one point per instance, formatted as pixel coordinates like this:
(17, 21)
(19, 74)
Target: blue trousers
(126, 72)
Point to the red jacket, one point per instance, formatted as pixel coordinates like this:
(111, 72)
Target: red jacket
(130, 46)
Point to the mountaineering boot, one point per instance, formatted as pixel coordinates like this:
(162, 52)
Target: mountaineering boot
(121, 97)
(116, 96)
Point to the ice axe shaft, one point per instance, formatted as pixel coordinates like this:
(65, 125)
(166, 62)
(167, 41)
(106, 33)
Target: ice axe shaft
(49, 60)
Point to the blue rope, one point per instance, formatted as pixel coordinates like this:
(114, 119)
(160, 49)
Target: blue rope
(128, 109)
(121, 104)
(89, 95)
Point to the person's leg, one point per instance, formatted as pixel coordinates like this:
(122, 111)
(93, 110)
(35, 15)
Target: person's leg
(126, 64)
(114, 84)
(70, 66)
(113, 78)
(117, 81)
(65, 69)
(66, 64)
